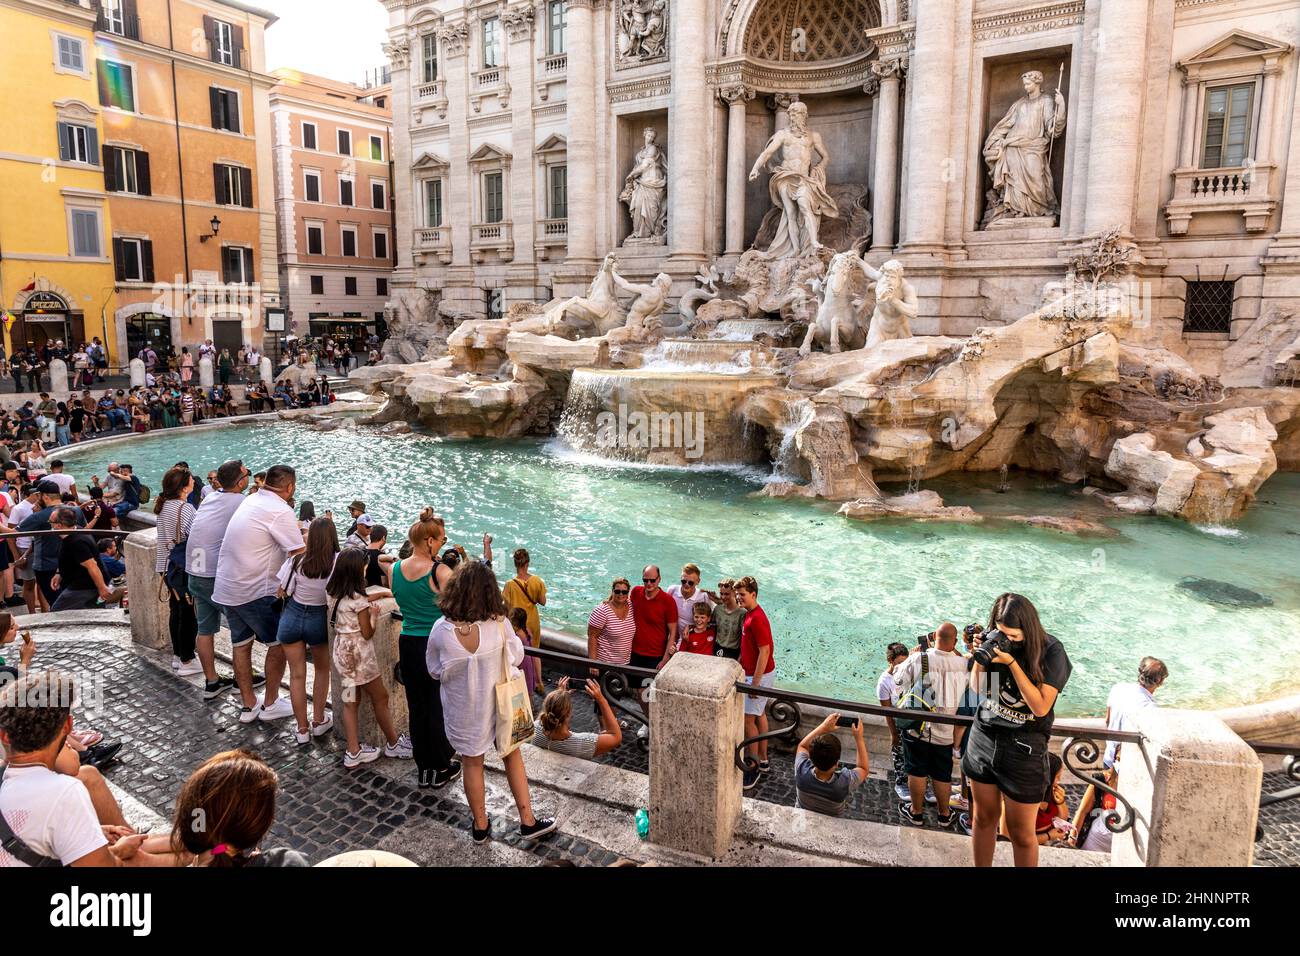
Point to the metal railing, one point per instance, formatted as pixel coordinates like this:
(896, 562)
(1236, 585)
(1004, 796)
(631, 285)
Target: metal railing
(613, 679)
(1080, 743)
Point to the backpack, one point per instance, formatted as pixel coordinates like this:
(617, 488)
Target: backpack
(177, 577)
(915, 700)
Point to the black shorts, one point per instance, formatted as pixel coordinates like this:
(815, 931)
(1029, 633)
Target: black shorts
(1015, 763)
(924, 759)
(641, 660)
(731, 652)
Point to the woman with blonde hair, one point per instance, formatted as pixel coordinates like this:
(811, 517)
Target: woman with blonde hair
(417, 583)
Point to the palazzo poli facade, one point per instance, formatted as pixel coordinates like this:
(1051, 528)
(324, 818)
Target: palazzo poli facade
(981, 144)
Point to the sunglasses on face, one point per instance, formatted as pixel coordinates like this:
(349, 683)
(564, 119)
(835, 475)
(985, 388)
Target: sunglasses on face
(649, 580)
(621, 592)
(687, 583)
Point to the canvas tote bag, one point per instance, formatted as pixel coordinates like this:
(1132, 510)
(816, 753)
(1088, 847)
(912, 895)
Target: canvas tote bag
(514, 703)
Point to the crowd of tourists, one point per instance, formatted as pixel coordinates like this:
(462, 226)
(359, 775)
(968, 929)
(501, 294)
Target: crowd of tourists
(328, 351)
(307, 589)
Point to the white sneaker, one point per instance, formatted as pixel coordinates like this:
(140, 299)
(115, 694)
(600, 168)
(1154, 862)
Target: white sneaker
(282, 708)
(366, 754)
(190, 669)
(301, 737)
(901, 791)
(324, 727)
(929, 793)
(401, 750)
(643, 733)
(249, 714)
(176, 663)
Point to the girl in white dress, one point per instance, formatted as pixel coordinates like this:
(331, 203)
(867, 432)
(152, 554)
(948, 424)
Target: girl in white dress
(464, 654)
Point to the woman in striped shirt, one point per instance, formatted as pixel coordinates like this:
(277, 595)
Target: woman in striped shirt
(611, 626)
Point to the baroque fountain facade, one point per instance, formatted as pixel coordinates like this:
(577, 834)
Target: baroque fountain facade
(913, 238)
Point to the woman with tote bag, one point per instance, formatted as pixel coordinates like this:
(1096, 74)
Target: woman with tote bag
(475, 656)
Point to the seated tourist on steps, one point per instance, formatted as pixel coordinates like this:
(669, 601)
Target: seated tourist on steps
(47, 818)
(820, 783)
(223, 813)
(551, 729)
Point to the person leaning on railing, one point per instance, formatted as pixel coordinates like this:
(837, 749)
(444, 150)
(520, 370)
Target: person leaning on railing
(1006, 758)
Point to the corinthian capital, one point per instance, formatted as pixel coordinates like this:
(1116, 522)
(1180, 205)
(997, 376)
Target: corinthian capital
(736, 93)
(398, 53)
(894, 66)
(455, 38)
(519, 22)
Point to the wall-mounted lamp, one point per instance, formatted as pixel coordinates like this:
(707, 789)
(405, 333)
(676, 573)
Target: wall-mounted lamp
(216, 228)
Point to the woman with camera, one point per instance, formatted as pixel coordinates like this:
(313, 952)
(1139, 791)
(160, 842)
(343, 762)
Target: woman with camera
(1018, 670)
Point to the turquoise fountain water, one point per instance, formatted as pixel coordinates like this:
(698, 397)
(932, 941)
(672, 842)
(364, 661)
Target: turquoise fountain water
(837, 591)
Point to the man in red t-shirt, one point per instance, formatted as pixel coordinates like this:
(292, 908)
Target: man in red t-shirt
(757, 657)
(655, 612)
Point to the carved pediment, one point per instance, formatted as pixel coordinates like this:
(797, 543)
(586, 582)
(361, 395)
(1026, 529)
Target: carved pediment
(555, 143)
(489, 153)
(1235, 48)
(430, 162)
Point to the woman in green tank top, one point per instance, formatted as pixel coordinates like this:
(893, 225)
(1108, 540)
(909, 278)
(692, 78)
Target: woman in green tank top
(417, 581)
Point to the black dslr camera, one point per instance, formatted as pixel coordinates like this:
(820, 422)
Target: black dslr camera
(993, 642)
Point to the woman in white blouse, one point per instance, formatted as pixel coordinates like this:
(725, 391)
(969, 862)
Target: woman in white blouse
(465, 655)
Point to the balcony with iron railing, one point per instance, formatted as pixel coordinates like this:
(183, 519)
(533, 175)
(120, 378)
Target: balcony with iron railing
(1245, 189)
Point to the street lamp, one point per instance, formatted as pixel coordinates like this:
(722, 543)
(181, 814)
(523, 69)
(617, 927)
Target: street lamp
(215, 224)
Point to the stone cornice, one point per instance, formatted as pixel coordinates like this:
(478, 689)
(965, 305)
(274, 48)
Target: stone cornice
(1051, 16)
(643, 88)
(791, 78)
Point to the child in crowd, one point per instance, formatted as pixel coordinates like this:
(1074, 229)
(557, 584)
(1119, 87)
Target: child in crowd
(700, 639)
(355, 618)
(531, 666)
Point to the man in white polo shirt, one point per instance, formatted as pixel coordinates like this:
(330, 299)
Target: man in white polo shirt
(202, 553)
(262, 534)
(1125, 700)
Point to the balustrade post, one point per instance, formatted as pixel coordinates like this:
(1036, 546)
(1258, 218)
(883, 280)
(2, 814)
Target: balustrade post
(1194, 786)
(696, 720)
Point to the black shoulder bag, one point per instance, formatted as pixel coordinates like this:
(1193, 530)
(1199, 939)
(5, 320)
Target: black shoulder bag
(915, 700)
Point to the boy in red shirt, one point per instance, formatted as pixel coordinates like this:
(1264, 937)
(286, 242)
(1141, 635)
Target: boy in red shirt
(757, 657)
(699, 640)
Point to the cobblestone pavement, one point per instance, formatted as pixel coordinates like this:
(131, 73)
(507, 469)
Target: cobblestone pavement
(323, 809)
(875, 800)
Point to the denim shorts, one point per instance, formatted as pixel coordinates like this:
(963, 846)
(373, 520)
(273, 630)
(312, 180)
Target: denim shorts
(255, 619)
(1015, 763)
(206, 610)
(302, 622)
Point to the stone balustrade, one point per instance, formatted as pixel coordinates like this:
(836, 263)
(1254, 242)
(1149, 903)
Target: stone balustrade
(1242, 189)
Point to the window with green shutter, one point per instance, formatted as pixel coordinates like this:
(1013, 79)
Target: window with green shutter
(493, 198)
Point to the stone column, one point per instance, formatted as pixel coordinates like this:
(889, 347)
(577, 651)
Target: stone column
(205, 371)
(929, 116)
(58, 380)
(149, 612)
(454, 42)
(1119, 89)
(779, 103)
(580, 111)
(385, 645)
(137, 373)
(737, 170)
(884, 205)
(265, 372)
(688, 130)
(1194, 785)
(696, 721)
(523, 202)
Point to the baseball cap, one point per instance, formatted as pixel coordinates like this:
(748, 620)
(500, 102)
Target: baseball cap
(366, 520)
